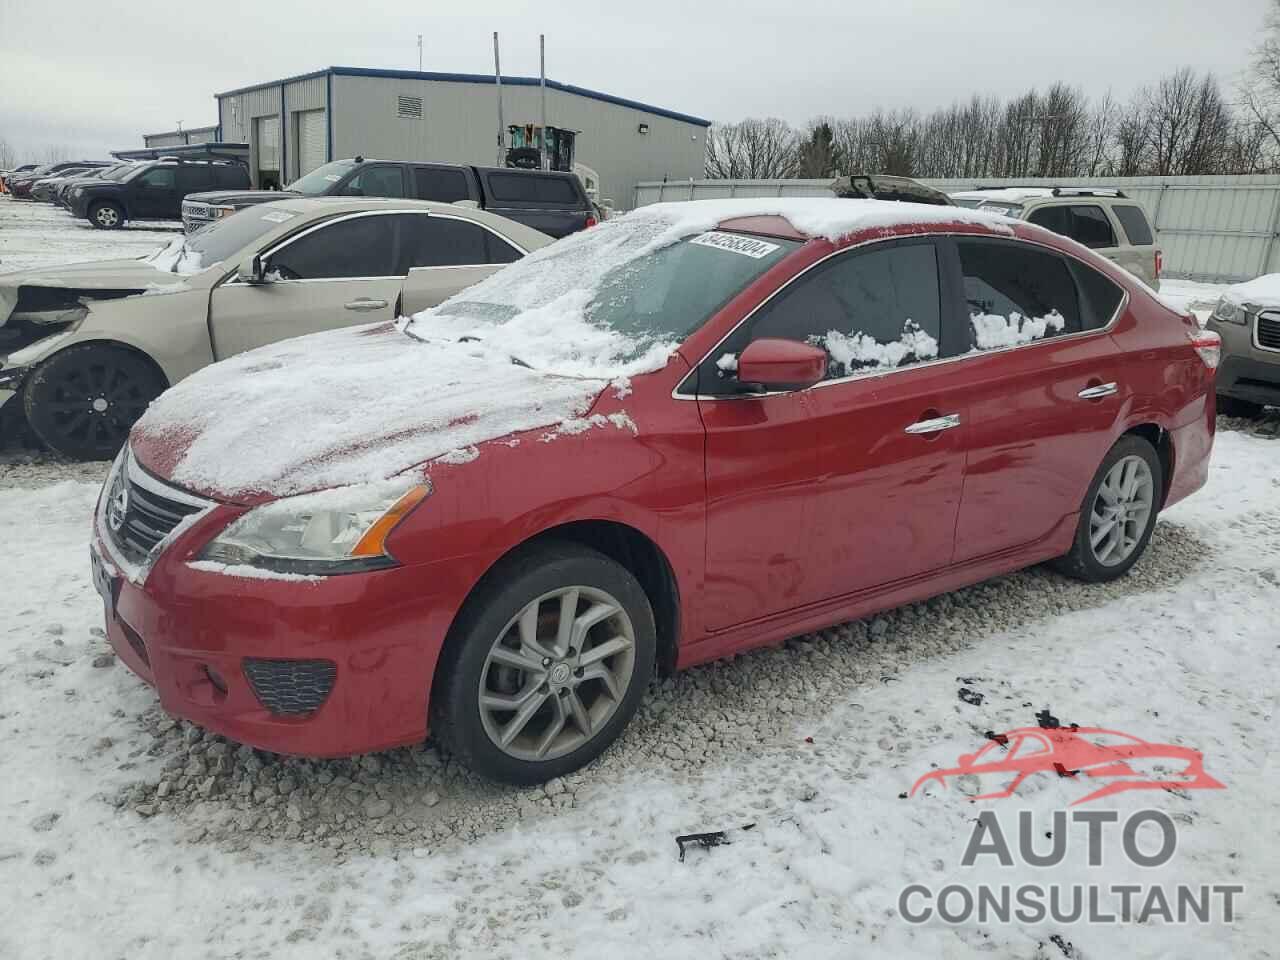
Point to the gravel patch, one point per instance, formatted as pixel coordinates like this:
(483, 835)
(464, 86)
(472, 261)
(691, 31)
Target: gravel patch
(1267, 425)
(30, 469)
(414, 800)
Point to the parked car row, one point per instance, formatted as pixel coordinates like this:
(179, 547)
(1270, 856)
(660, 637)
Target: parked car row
(22, 182)
(84, 348)
(695, 430)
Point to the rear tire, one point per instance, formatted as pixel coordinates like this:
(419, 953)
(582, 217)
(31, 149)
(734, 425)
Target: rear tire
(507, 647)
(1233, 407)
(106, 215)
(1118, 514)
(82, 402)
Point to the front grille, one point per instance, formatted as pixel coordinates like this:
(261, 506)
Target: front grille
(141, 511)
(291, 687)
(1268, 331)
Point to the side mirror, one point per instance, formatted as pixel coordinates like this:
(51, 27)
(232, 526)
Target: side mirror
(782, 364)
(250, 270)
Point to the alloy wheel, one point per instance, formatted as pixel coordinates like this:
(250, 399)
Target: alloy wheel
(93, 403)
(107, 216)
(1121, 510)
(556, 673)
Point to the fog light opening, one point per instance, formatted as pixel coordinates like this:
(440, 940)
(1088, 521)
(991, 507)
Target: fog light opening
(217, 681)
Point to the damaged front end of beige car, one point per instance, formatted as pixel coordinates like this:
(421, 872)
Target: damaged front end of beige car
(64, 377)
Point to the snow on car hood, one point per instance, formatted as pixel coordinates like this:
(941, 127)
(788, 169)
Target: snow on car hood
(343, 407)
(1262, 291)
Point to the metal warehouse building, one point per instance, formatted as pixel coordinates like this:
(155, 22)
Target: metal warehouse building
(295, 125)
(180, 138)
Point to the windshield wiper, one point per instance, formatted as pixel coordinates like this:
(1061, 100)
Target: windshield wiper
(468, 338)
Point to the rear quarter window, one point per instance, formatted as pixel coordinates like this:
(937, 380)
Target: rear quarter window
(531, 188)
(1135, 224)
(231, 177)
(1099, 296)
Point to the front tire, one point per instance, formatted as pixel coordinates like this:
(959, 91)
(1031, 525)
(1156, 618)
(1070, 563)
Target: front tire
(82, 402)
(1118, 514)
(546, 665)
(106, 215)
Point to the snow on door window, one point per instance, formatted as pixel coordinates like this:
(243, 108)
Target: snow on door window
(1016, 294)
(871, 310)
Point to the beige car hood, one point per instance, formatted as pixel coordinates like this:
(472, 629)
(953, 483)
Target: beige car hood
(103, 276)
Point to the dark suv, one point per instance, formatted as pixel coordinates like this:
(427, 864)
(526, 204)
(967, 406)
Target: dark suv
(153, 191)
(550, 201)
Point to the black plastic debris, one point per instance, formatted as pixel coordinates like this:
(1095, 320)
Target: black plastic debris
(1047, 720)
(1000, 738)
(715, 838)
(971, 697)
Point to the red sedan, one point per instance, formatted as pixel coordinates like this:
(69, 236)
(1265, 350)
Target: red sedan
(690, 431)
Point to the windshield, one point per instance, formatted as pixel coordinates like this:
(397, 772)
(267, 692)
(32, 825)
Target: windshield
(620, 296)
(321, 180)
(224, 238)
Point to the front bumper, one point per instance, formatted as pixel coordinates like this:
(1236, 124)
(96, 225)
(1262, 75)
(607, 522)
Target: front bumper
(189, 632)
(1247, 372)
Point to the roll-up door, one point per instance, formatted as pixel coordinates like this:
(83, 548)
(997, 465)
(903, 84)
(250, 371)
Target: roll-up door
(312, 137)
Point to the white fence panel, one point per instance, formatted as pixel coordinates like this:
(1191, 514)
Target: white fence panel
(1221, 228)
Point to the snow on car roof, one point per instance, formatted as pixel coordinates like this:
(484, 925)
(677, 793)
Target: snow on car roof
(1005, 195)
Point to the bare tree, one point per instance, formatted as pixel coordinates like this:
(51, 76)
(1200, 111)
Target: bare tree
(752, 149)
(818, 155)
(8, 156)
(55, 153)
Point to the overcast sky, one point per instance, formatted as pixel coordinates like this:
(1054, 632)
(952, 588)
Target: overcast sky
(92, 75)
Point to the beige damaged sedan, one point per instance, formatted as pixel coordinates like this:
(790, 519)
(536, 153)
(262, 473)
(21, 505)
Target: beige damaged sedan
(85, 348)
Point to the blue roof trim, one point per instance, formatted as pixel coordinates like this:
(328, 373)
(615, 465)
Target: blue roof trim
(482, 78)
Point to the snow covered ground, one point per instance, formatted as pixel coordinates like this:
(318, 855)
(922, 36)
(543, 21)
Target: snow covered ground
(40, 234)
(404, 855)
(123, 833)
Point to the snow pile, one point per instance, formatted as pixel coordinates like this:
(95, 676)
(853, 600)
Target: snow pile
(859, 351)
(1262, 291)
(176, 257)
(346, 407)
(992, 331)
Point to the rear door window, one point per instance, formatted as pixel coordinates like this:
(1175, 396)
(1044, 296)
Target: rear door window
(158, 178)
(440, 242)
(441, 184)
(358, 247)
(1135, 224)
(1016, 294)
(531, 188)
(1085, 223)
(230, 177)
(378, 181)
(195, 178)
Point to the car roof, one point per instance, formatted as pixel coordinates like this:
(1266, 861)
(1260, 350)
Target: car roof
(316, 207)
(1005, 194)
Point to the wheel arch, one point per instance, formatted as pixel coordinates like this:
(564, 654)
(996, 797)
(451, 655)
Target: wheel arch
(1160, 439)
(108, 343)
(627, 545)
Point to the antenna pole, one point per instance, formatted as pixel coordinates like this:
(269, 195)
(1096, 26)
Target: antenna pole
(542, 84)
(497, 76)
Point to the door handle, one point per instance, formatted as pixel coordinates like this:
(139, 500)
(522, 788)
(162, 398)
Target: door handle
(1099, 391)
(364, 303)
(935, 425)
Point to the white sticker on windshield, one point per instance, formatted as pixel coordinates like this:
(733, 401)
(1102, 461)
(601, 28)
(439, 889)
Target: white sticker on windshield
(747, 246)
(278, 216)
(332, 178)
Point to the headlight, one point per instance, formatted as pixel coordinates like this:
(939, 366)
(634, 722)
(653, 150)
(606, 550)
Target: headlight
(334, 531)
(217, 213)
(1228, 311)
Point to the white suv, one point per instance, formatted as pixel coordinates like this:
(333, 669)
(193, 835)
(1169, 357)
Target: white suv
(1100, 218)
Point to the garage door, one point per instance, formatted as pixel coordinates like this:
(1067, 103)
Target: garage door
(312, 136)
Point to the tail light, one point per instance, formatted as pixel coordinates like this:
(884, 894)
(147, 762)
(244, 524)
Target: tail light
(1159, 263)
(591, 221)
(1208, 345)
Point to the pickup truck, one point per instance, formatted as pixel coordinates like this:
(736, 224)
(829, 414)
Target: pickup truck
(549, 201)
